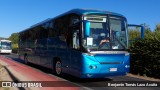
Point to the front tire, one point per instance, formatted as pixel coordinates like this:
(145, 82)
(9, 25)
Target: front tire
(58, 67)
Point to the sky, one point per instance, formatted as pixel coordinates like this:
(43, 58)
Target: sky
(17, 15)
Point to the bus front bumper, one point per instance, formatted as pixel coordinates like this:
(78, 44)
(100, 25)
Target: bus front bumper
(102, 71)
(6, 51)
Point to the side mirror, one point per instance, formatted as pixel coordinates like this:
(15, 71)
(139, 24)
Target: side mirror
(135, 32)
(86, 28)
(138, 26)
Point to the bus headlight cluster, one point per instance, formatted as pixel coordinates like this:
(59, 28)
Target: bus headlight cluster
(92, 66)
(126, 54)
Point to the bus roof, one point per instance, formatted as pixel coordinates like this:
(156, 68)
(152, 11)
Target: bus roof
(5, 40)
(79, 12)
(91, 11)
(87, 11)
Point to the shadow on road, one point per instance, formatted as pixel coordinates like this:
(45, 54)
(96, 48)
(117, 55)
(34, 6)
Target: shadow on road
(64, 76)
(18, 60)
(5, 54)
(16, 80)
(84, 80)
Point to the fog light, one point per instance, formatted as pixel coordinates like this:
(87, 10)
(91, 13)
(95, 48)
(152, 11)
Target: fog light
(90, 67)
(94, 67)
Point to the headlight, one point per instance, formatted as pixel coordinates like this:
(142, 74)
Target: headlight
(126, 54)
(92, 66)
(89, 54)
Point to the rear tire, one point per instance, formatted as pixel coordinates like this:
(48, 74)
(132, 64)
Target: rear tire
(26, 59)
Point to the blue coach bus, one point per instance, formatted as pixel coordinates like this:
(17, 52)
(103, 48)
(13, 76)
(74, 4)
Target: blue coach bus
(81, 42)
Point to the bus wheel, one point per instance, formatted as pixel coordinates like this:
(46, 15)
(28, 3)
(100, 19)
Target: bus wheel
(25, 59)
(58, 67)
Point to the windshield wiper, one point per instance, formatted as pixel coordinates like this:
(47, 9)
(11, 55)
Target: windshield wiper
(120, 42)
(109, 44)
(104, 43)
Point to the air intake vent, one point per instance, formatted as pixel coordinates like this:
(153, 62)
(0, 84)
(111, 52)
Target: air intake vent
(110, 62)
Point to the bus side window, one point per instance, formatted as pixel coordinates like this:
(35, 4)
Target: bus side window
(52, 31)
(76, 39)
(73, 31)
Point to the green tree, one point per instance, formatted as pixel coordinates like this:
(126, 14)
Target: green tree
(157, 32)
(148, 34)
(14, 38)
(145, 53)
(157, 27)
(133, 34)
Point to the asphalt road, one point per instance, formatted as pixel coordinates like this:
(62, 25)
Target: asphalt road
(108, 83)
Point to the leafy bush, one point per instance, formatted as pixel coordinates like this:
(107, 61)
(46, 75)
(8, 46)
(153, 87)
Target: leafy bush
(14, 48)
(145, 57)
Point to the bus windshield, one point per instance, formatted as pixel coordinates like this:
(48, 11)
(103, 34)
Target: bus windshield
(6, 45)
(106, 35)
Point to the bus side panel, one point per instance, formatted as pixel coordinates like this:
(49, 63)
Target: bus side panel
(29, 48)
(21, 50)
(42, 51)
(63, 54)
(51, 52)
(32, 54)
(76, 63)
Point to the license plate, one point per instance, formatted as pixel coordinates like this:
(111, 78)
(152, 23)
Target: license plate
(113, 69)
